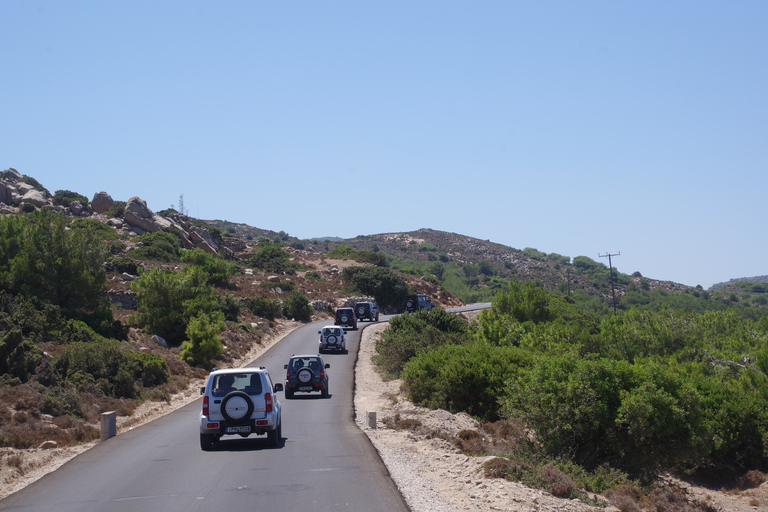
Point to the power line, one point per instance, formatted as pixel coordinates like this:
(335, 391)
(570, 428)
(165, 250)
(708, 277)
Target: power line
(610, 266)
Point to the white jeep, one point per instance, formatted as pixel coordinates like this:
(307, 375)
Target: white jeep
(240, 401)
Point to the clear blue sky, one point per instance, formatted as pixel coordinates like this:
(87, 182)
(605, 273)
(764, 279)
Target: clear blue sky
(579, 128)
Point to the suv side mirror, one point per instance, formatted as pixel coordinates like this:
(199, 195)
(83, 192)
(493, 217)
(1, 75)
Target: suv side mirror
(327, 365)
(285, 366)
(202, 391)
(278, 387)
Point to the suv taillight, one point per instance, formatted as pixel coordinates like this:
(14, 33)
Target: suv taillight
(205, 405)
(322, 373)
(268, 401)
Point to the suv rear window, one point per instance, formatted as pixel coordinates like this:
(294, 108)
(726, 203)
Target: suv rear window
(227, 382)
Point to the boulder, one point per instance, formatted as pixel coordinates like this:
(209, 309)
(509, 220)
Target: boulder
(76, 208)
(10, 173)
(34, 197)
(138, 215)
(9, 193)
(198, 235)
(101, 202)
(206, 247)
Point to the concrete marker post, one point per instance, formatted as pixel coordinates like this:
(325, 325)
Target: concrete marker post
(108, 425)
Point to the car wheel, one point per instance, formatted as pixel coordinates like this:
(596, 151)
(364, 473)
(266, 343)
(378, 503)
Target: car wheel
(237, 407)
(273, 437)
(288, 394)
(206, 442)
(305, 375)
(324, 393)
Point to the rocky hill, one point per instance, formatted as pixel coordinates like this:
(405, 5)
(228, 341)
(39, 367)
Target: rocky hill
(426, 246)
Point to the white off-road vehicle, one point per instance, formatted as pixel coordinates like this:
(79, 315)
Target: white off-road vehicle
(240, 401)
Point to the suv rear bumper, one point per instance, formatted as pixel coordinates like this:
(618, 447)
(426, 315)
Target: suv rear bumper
(338, 347)
(218, 427)
(296, 388)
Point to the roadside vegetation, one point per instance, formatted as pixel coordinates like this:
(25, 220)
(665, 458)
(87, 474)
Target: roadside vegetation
(65, 358)
(606, 401)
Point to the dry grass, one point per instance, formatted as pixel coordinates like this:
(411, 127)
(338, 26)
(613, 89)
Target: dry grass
(397, 422)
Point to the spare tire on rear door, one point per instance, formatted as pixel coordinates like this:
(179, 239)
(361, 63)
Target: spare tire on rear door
(305, 375)
(237, 408)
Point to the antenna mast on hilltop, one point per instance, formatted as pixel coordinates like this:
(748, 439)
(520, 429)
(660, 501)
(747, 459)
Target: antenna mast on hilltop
(610, 266)
(181, 205)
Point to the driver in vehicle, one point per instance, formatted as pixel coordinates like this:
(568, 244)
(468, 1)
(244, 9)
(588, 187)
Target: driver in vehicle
(225, 385)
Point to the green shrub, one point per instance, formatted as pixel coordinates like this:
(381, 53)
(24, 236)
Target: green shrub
(110, 369)
(297, 306)
(168, 300)
(462, 378)
(272, 258)
(158, 246)
(285, 286)
(18, 356)
(264, 307)
(229, 305)
(41, 258)
(27, 207)
(313, 275)
(410, 334)
(122, 264)
(219, 270)
(95, 229)
(67, 197)
(116, 210)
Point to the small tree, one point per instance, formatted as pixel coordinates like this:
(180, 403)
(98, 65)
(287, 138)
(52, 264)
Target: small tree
(297, 307)
(203, 341)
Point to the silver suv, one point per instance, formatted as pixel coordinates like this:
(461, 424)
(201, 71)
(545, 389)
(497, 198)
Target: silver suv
(366, 311)
(306, 373)
(240, 401)
(332, 338)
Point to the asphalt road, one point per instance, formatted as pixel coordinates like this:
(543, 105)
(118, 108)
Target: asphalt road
(324, 462)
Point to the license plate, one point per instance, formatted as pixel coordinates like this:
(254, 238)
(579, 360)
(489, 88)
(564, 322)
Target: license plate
(245, 429)
(305, 388)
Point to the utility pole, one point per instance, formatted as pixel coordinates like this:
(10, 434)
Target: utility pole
(610, 266)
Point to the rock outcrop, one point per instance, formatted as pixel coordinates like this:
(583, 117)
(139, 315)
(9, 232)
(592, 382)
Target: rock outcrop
(16, 190)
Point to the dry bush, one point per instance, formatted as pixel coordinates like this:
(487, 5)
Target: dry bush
(626, 497)
(556, 482)
(396, 422)
(15, 460)
(752, 479)
(500, 437)
(65, 422)
(23, 397)
(621, 501)
(499, 467)
(673, 499)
